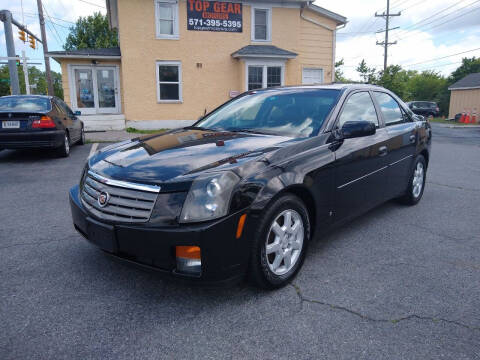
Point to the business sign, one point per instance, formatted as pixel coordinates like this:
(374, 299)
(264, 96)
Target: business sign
(214, 16)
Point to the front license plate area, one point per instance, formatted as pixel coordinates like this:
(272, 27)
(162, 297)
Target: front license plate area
(102, 235)
(10, 124)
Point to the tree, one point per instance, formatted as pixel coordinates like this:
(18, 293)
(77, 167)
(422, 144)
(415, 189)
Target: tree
(91, 32)
(427, 85)
(36, 77)
(367, 73)
(395, 79)
(469, 66)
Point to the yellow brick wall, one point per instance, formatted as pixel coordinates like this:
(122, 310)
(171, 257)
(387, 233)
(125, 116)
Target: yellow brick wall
(208, 86)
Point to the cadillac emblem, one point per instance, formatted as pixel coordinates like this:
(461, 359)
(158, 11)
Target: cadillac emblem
(103, 199)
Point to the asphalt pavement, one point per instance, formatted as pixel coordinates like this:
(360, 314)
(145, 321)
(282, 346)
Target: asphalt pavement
(397, 283)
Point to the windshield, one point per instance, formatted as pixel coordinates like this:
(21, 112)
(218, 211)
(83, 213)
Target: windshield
(283, 112)
(24, 104)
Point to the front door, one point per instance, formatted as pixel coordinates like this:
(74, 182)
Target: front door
(360, 165)
(95, 89)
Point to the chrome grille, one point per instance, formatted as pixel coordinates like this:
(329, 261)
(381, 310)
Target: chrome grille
(127, 202)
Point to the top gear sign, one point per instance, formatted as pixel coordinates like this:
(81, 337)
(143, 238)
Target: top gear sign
(214, 16)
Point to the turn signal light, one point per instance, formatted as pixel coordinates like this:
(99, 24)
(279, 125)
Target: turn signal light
(45, 122)
(188, 259)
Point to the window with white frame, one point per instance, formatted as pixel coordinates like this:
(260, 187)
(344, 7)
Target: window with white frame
(261, 24)
(169, 81)
(312, 76)
(166, 16)
(263, 76)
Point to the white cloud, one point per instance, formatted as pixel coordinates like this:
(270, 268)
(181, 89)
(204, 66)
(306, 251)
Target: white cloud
(417, 43)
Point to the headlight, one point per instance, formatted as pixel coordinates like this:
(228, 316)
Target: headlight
(209, 197)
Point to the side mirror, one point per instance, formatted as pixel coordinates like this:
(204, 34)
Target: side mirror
(76, 113)
(355, 129)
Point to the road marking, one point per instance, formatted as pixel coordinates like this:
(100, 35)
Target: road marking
(93, 149)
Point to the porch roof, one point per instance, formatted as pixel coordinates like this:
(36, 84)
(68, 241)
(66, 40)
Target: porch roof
(107, 53)
(263, 51)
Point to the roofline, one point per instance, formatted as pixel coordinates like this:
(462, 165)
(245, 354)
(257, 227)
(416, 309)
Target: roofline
(262, 56)
(327, 13)
(464, 88)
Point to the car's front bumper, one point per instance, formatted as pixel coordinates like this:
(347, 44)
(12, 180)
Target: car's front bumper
(31, 139)
(224, 257)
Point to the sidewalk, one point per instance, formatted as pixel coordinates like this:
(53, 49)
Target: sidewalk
(109, 136)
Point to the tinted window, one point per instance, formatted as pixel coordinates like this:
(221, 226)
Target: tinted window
(390, 109)
(65, 107)
(24, 103)
(291, 113)
(359, 107)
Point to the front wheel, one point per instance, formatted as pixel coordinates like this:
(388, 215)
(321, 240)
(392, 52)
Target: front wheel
(279, 247)
(416, 184)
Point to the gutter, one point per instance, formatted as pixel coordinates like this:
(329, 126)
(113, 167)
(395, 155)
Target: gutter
(464, 88)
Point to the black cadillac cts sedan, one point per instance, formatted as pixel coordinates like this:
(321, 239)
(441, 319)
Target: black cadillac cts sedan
(245, 189)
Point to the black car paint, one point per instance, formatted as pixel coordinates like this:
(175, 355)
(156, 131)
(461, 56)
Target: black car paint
(337, 179)
(28, 137)
(424, 108)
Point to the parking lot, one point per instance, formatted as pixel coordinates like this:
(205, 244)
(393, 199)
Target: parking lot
(397, 283)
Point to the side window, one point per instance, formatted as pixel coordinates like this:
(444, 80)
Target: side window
(64, 106)
(261, 24)
(390, 108)
(359, 107)
(58, 108)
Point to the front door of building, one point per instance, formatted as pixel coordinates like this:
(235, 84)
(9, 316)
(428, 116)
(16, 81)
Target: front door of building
(95, 89)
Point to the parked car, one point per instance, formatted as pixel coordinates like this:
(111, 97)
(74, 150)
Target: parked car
(38, 121)
(424, 108)
(245, 189)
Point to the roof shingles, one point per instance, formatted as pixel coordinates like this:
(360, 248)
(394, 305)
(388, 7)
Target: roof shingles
(471, 81)
(263, 51)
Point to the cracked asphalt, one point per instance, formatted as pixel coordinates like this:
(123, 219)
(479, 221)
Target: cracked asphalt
(397, 283)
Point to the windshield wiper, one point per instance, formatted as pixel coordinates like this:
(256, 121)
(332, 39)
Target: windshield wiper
(200, 128)
(252, 131)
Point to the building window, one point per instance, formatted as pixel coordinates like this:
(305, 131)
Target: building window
(261, 24)
(169, 80)
(263, 76)
(312, 76)
(166, 13)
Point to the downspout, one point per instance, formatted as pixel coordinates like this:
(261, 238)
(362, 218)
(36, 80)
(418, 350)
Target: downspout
(333, 30)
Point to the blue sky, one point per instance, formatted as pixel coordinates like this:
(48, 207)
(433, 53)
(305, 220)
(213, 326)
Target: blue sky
(422, 39)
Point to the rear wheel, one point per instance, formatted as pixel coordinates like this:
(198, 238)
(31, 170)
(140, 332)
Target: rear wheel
(64, 150)
(82, 137)
(279, 247)
(416, 184)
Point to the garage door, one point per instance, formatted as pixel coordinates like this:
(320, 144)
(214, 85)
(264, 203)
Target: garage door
(312, 76)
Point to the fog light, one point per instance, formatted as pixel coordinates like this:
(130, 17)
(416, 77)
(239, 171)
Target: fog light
(188, 259)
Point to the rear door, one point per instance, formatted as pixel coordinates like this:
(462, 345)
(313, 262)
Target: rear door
(75, 124)
(402, 139)
(360, 169)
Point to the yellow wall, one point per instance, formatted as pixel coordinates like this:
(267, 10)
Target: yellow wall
(66, 81)
(464, 100)
(208, 86)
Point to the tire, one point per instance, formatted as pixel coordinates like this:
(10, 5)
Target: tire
(82, 137)
(64, 150)
(262, 264)
(414, 193)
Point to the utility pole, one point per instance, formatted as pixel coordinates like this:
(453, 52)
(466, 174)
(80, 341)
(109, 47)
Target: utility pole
(25, 72)
(385, 43)
(45, 47)
(6, 17)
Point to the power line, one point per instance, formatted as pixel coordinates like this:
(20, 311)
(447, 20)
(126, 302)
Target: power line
(90, 3)
(414, 27)
(53, 24)
(444, 57)
(412, 33)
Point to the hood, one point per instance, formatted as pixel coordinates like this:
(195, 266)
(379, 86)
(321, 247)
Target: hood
(180, 154)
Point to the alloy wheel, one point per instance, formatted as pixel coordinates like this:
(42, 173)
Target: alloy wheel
(284, 242)
(417, 182)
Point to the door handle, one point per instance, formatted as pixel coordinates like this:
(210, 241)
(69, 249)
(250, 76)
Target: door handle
(382, 151)
(412, 138)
